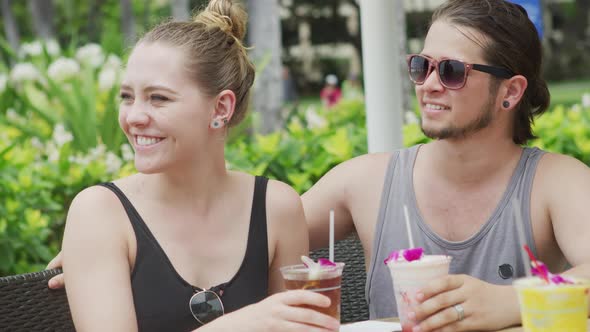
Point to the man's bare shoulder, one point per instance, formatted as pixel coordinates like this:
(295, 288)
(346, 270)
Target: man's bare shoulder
(560, 175)
(558, 167)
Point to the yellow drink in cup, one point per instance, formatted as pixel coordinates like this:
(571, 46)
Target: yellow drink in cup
(553, 308)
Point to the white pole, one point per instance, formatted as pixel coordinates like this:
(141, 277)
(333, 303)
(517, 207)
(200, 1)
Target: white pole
(382, 73)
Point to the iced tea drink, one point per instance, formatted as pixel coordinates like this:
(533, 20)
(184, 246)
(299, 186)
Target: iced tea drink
(326, 281)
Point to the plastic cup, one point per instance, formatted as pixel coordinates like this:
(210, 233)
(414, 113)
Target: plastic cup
(326, 281)
(409, 278)
(554, 308)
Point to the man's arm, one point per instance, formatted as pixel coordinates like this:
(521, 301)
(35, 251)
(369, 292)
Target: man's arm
(566, 183)
(353, 189)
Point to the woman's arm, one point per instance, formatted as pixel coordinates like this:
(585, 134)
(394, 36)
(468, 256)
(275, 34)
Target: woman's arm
(96, 263)
(287, 231)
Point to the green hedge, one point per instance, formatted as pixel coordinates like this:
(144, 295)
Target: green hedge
(56, 139)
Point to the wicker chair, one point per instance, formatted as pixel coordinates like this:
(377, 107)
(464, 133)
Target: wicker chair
(26, 304)
(353, 304)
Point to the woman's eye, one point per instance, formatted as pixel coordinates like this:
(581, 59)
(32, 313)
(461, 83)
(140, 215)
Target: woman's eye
(125, 96)
(158, 98)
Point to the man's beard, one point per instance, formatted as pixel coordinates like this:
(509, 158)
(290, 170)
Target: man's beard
(482, 121)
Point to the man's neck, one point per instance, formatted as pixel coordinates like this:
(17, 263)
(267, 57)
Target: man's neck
(470, 161)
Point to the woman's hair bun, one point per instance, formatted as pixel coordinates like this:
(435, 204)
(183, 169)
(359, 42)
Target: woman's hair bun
(225, 15)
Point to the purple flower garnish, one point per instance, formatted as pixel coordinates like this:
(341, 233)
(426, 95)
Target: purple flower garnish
(325, 262)
(393, 256)
(413, 254)
(557, 279)
(409, 255)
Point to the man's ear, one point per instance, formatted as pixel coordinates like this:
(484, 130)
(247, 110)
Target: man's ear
(512, 91)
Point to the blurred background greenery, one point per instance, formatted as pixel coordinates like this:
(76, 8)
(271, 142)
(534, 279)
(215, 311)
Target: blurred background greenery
(60, 66)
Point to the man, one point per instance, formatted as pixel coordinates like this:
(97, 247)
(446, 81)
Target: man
(478, 85)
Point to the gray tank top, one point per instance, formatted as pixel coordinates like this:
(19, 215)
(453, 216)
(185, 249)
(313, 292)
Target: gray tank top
(492, 254)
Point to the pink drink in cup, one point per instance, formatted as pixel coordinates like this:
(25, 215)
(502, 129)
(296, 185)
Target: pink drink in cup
(411, 271)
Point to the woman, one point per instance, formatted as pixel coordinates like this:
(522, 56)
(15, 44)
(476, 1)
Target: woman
(186, 240)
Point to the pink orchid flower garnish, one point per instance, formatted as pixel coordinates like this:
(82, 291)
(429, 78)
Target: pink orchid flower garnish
(325, 262)
(413, 254)
(558, 279)
(409, 255)
(540, 270)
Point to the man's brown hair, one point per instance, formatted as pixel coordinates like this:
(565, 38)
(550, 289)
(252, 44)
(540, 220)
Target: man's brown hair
(511, 41)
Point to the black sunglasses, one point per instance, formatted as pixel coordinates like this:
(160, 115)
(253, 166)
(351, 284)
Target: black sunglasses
(205, 306)
(452, 74)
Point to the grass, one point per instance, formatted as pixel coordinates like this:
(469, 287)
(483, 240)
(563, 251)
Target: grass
(568, 93)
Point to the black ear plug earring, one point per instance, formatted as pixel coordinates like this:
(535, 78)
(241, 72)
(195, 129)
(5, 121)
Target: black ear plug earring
(506, 103)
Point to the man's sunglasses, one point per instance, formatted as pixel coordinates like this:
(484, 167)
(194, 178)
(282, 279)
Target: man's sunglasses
(452, 74)
(205, 306)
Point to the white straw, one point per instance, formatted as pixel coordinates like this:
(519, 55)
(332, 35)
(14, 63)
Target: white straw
(408, 226)
(521, 238)
(331, 248)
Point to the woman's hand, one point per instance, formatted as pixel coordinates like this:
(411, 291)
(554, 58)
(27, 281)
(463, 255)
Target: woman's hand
(485, 306)
(57, 282)
(279, 312)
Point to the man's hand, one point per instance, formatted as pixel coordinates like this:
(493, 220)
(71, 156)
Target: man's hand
(56, 282)
(279, 312)
(485, 306)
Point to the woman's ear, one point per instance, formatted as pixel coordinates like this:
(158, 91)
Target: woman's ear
(224, 107)
(225, 104)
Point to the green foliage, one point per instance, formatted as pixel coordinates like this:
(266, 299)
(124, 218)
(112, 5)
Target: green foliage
(314, 141)
(37, 183)
(76, 88)
(40, 176)
(565, 131)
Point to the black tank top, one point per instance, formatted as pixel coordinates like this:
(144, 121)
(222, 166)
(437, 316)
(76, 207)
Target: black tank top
(160, 295)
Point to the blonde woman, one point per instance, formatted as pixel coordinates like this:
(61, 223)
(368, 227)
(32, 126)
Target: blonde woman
(185, 241)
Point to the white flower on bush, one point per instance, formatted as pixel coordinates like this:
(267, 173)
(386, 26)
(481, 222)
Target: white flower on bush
(127, 152)
(576, 108)
(97, 152)
(61, 136)
(3, 82)
(33, 49)
(114, 62)
(107, 78)
(113, 163)
(80, 160)
(586, 100)
(52, 152)
(411, 117)
(91, 55)
(62, 69)
(313, 119)
(37, 144)
(23, 72)
(12, 115)
(52, 47)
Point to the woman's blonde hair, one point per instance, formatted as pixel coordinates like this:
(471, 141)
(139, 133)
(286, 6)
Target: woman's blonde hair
(215, 57)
